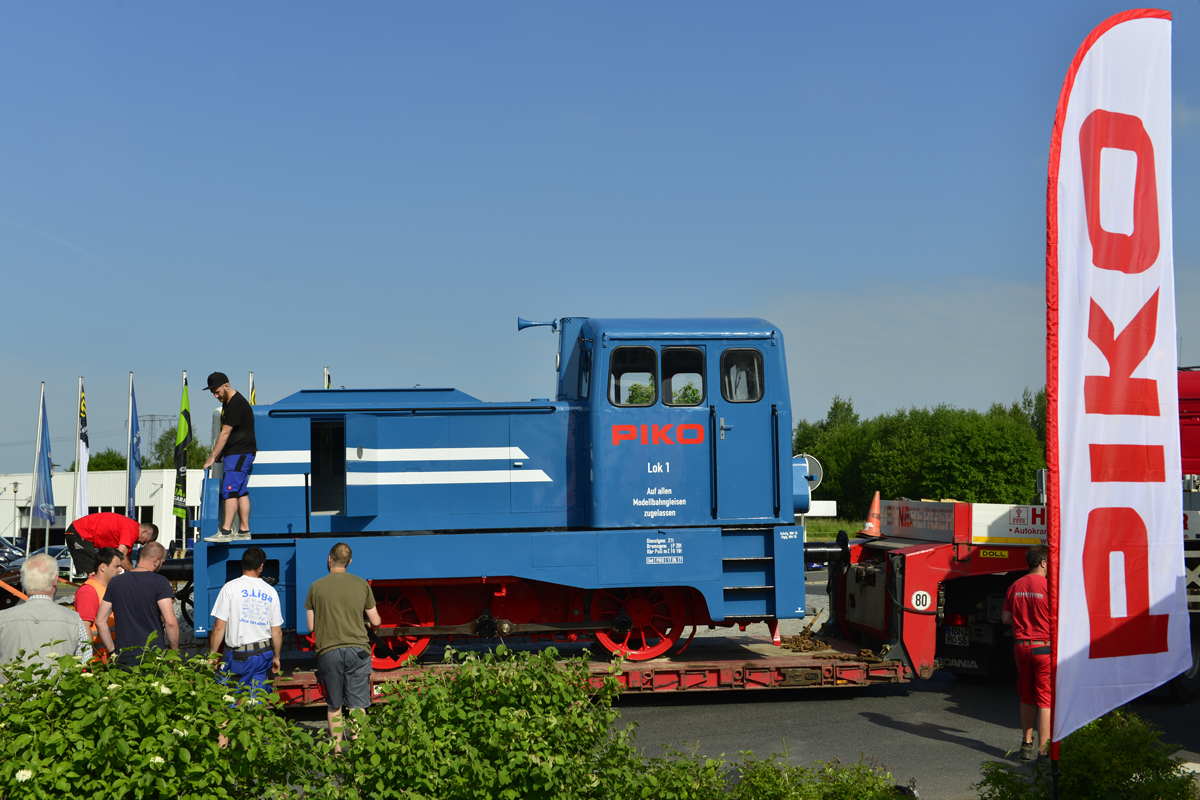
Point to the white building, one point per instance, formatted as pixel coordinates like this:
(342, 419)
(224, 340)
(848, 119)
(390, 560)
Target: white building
(154, 497)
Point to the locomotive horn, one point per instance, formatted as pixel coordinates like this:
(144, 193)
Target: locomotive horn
(522, 324)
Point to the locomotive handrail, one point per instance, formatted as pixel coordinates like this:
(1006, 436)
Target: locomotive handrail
(627, 335)
(775, 453)
(474, 409)
(712, 437)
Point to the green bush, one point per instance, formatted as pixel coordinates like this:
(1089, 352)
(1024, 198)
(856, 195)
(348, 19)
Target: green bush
(92, 732)
(774, 779)
(1119, 755)
(503, 725)
(511, 725)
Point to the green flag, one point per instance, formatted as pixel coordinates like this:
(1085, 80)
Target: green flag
(183, 437)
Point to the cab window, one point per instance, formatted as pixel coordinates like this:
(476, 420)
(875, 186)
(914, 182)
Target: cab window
(632, 377)
(742, 376)
(682, 376)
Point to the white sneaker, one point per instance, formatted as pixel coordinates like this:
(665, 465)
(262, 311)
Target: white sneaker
(220, 536)
(239, 535)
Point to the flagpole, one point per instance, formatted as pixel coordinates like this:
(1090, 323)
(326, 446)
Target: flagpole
(325, 384)
(251, 396)
(33, 496)
(181, 522)
(129, 446)
(74, 505)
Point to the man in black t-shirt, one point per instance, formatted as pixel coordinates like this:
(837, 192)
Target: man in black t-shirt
(143, 603)
(236, 447)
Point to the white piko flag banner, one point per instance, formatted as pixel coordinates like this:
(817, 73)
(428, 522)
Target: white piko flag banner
(1118, 608)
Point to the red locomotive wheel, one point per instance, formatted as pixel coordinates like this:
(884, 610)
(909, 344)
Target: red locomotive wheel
(401, 606)
(658, 617)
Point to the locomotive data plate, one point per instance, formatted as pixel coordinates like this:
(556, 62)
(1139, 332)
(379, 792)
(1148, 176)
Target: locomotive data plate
(958, 635)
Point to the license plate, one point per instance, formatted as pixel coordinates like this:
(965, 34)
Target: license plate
(959, 635)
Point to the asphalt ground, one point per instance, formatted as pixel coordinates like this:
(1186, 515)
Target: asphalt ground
(935, 733)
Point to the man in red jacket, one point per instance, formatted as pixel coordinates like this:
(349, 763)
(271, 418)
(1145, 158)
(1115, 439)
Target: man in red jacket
(88, 534)
(1027, 609)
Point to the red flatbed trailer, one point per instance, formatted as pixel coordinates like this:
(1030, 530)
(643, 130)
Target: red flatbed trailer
(709, 664)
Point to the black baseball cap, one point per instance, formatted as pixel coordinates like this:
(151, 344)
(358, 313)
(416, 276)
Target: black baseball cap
(217, 380)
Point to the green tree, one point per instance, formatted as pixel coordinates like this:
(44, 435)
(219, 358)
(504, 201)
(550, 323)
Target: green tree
(640, 394)
(106, 459)
(923, 453)
(162, 452)
(689, 395)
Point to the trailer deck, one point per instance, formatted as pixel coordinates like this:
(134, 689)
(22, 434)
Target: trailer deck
(708, 664)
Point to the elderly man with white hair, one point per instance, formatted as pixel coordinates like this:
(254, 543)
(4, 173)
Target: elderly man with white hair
(38, 631)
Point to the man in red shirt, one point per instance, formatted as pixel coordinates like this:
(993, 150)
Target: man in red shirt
(88, 534)
(1027, 609)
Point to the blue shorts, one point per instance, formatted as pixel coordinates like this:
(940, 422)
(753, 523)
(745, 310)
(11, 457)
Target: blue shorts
(237, 475)
(254, 671)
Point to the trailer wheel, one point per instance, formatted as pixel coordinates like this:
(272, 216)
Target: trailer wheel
(1185, 687)
(187, 602)
(401, 606)
(657, 615)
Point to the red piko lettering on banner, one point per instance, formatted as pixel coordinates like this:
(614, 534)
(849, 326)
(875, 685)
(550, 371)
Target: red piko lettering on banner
(1138, 251)
(1128, 463)
(1112, 530)
(1118, 393)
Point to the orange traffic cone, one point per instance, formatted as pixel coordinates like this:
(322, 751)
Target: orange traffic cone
(872, 526)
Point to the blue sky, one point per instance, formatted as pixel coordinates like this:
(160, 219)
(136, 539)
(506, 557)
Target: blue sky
(384, 188)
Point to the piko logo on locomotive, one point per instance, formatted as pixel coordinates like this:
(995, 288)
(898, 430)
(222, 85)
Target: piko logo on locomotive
(658, 434)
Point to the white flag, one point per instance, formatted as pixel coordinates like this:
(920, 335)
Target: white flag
(1116, 515)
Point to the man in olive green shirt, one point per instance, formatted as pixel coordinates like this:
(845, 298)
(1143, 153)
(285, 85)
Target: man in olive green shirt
(335, 607)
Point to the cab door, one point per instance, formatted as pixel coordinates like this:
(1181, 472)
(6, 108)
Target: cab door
(743, 435)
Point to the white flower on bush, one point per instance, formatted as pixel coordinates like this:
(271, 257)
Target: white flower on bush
(178, 732)
(24, 775)
(112, 686)
(87, 674)
(229, 698)
(187, 717)
(156, 759)
(164, 689)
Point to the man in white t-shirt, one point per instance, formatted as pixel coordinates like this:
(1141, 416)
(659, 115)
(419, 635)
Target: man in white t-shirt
(250, 622)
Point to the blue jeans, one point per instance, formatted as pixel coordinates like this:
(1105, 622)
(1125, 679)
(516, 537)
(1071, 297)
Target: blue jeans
(254, 671)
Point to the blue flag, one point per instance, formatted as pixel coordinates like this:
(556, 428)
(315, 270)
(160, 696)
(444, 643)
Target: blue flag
(135, 452)
(43, 490)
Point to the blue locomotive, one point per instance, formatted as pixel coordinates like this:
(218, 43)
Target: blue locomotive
(655, 492)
